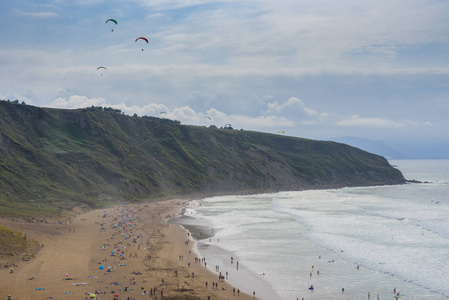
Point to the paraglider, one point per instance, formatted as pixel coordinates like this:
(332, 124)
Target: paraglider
(101, 67)
(281, 131)
(142, 38)
(113, 21)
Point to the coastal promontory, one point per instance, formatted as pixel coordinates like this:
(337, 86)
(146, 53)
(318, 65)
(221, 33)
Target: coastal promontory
(58, 159)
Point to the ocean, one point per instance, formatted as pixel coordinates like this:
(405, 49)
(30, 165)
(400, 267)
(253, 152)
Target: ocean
(383, 242)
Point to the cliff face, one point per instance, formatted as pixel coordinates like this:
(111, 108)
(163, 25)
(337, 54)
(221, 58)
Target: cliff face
(60, 158)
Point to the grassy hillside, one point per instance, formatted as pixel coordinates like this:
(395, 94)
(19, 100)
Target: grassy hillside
(53, 159)
(15, 245)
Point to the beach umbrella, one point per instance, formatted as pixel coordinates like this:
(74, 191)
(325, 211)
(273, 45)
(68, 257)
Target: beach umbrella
(93, 295)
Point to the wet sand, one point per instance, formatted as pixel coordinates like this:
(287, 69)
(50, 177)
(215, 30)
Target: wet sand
(220, 259)
(125, 251)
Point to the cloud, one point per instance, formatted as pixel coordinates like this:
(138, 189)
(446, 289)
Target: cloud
(292, 104)
(185, 114)
(39, 15)
(156, 15)
(356, 121)
(189, 116)
(300, 34)
(175, 4)
(77, 101)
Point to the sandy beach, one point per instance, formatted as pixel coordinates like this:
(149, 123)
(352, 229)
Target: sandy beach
(122, 252)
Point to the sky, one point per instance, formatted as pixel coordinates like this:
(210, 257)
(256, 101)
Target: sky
(316, 69)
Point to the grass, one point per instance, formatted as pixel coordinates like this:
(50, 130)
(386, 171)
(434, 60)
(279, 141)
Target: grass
(14, 246)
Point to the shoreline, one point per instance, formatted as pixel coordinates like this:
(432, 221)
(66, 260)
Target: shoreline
(202, 234)
(122, 250)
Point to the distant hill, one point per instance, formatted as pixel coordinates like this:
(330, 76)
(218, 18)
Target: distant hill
(372, 146)
(55, 159)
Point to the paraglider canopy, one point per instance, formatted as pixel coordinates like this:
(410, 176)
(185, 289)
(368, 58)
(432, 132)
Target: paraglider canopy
(142, 38)
(281, 131)
(113, 21)
(101, 68)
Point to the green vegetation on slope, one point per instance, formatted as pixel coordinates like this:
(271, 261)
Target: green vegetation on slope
(14, 244)
(52, 160)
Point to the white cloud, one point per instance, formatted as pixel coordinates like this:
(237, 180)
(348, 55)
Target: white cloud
(294, 103)
(77, 101)
(156, 15)
(356, 121)
(302, 34)
(185, 114)
(152, 109)
(88, 2)
(39, 15)
(172, 4)
(189, 116)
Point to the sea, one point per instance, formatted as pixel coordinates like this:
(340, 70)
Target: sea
(381, 242)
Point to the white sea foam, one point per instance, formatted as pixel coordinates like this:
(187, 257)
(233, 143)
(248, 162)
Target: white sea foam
(398, 235)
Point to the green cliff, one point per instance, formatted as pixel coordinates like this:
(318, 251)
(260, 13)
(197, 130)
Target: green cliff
(55, 159)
